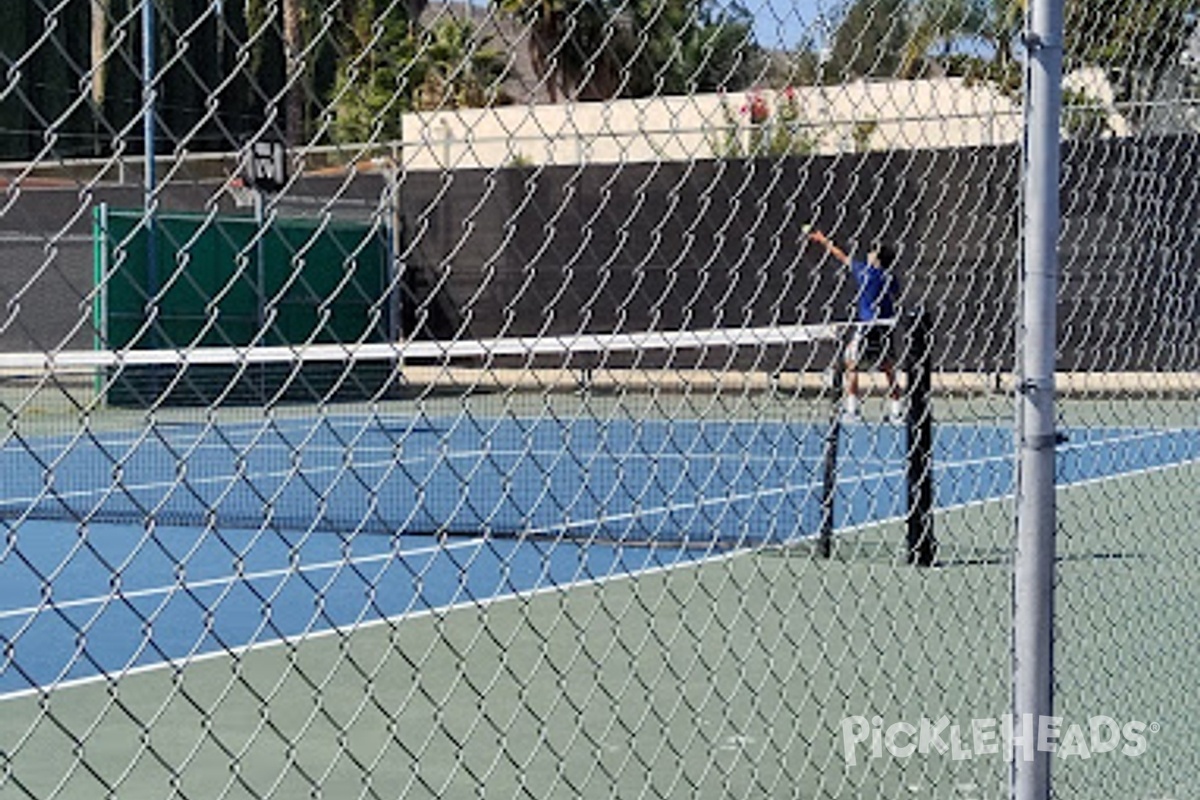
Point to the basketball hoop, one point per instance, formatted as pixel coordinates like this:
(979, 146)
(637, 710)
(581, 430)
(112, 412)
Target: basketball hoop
(264, 165)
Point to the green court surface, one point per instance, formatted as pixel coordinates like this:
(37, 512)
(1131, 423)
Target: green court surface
(726, 678)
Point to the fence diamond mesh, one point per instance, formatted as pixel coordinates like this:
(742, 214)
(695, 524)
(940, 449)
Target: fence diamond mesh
(590, 399)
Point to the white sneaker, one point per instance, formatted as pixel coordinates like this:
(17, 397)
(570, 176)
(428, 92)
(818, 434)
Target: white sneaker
(851, 417)
(897, 417)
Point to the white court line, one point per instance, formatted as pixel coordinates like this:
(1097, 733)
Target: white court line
(308, 635)
(476, 604)
(657, 511)
(1074, 484)
(227, 580)
(651, 511)
(557, 588)
(436, 458)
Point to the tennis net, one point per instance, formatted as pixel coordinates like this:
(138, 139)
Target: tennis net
(716, 437)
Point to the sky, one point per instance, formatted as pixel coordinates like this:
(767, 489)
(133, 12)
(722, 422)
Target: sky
(782, 24)
(785, 24)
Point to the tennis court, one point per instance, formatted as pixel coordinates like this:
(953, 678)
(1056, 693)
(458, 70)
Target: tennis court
(654, 401)
(204, 645)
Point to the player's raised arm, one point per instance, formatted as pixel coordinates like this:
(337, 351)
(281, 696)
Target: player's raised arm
(820, 238)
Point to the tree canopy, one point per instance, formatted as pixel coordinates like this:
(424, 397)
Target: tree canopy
(1138, 43)
(871, 40)
(596, 49)
(334, 70)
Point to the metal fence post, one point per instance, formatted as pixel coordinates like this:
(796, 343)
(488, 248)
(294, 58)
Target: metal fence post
(1033, 568)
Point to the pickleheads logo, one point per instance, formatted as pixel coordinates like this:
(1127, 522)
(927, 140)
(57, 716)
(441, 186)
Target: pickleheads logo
(1007, 736)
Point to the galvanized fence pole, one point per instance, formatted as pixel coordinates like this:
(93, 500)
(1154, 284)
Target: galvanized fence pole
(1033, 571)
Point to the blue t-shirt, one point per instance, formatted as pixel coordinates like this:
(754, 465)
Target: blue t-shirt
(876, 292)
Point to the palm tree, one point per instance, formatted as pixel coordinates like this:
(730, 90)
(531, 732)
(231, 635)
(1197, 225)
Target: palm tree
(686, 46)
(571, 44)
(545, 20)
(870, 41)
(99, 47)
(1139, 44)
(939, 24)
(457, 68)
(293, 45)
(446, 66)
(293, 14)
(300, 22)
(943, 23)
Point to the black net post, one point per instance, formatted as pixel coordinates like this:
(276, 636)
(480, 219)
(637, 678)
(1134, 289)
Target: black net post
(920, 541)
(830, 453)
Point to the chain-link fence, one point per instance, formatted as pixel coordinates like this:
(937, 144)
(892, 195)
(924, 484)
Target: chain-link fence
(589, 399)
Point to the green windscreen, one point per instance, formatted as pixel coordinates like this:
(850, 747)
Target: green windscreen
(224, 280)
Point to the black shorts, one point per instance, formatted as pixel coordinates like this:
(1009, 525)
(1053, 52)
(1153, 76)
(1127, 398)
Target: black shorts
(870, 346)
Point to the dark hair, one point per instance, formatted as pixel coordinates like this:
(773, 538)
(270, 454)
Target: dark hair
(885, 253)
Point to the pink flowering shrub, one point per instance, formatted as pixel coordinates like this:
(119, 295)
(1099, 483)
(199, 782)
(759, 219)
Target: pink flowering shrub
(775, 123)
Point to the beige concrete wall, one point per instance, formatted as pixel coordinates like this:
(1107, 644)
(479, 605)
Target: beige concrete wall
(897, 115)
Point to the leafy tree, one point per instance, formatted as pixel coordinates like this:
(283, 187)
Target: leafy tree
(447, 66)
(290, 42)
(870, 41)
(562, 38)
(455, 68)
(1138, 44)
(721, 53)
(47, 104)
(304, 50)
(373, 87)
(971, 38)
(937, 27)
(686, 46)
(596, 49)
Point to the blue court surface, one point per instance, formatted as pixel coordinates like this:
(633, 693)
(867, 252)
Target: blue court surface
(276, 531)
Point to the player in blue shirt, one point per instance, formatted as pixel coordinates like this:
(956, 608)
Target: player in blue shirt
(871, 344)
